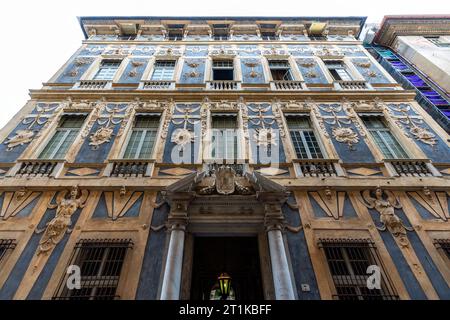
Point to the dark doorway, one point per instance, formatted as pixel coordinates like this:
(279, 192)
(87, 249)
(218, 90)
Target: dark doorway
(237, 256)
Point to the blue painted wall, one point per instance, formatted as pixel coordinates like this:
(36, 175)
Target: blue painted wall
(153, 257)
(299, 255)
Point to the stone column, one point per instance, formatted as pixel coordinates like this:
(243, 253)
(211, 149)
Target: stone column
(177, 222)
(174, 263)
(282, 281)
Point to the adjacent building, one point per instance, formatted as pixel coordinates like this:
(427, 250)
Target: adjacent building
(172, 155)
(416, 52)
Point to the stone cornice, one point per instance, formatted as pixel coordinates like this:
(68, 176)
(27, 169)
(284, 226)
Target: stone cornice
(180, 95)
(395, 26)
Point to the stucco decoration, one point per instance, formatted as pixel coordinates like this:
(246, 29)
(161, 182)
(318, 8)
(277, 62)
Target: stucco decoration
(385, 204)
(224, 181)
(14, 202)
(265, 135)
(183, 136)
(340, 132)
(434, 202)
(77, 64)
(136, 64)
(331, 201)
(107, 121)
(44, 112)
(222, 50)
(61, 223)
(252, 65)
(410, 124)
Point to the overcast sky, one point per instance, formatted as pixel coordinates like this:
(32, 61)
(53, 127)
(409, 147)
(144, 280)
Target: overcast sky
(39, 36)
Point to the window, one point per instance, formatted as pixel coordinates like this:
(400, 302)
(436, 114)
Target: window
(163, 70)
(100, 263)
(224, 136)
(220, 32)
(383, 137)
(348, 261)
(175, 35)
(444, 245)
(6, 245)
(438, 41)
(142, 138)
(302, 135)
(338, 70)
(280, 70)
(63, 138)
(107, 70)
(269, 35)
(223, 70)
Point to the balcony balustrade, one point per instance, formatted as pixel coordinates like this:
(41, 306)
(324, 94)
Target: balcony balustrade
(223, 85)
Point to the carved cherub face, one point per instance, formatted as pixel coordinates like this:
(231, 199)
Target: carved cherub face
(379, 193)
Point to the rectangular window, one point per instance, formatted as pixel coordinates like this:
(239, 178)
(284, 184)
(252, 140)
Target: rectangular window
(269, 35)
(338, 70)
(383, 137)
(302, 135)
(107, 70)
(63, 138)
(100, 263)
(444, 245)
(220, 32)
(224, 136)
(6, 246)
(175, 35)
(348, 262)
(438, 41)
(163, 70)
(280, 70)
(142, 138)
(223, 70)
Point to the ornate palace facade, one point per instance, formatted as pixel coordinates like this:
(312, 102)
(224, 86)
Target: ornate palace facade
(273, 151)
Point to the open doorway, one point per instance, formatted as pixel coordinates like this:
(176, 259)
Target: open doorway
(237, 256)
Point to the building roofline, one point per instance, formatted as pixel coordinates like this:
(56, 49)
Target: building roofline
(82, 19)
(387, 32)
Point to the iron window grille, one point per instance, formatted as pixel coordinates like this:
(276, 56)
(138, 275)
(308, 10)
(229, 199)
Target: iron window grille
(164, 70)
(224, 137)
(383, 137)
(280, 70)
(6, 246)
(269, 36)
(100, 263)
(64, 136)
(107, 69)
(305, 143)
(348, 260)
(444, 245)
(338, 70)
(143, 136)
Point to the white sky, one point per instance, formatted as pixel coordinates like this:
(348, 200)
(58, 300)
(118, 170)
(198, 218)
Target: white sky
(39, 36)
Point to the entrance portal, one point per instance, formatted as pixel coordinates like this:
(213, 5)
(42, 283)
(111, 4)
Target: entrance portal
(237, 256)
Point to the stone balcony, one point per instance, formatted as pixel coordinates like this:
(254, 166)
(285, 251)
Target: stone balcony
(224, 85)
(36, 168)
(352, 85)
(93, 85)
(411, 168)
(317, 168)
(157, 85)
(129, 168)
(287, 85)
